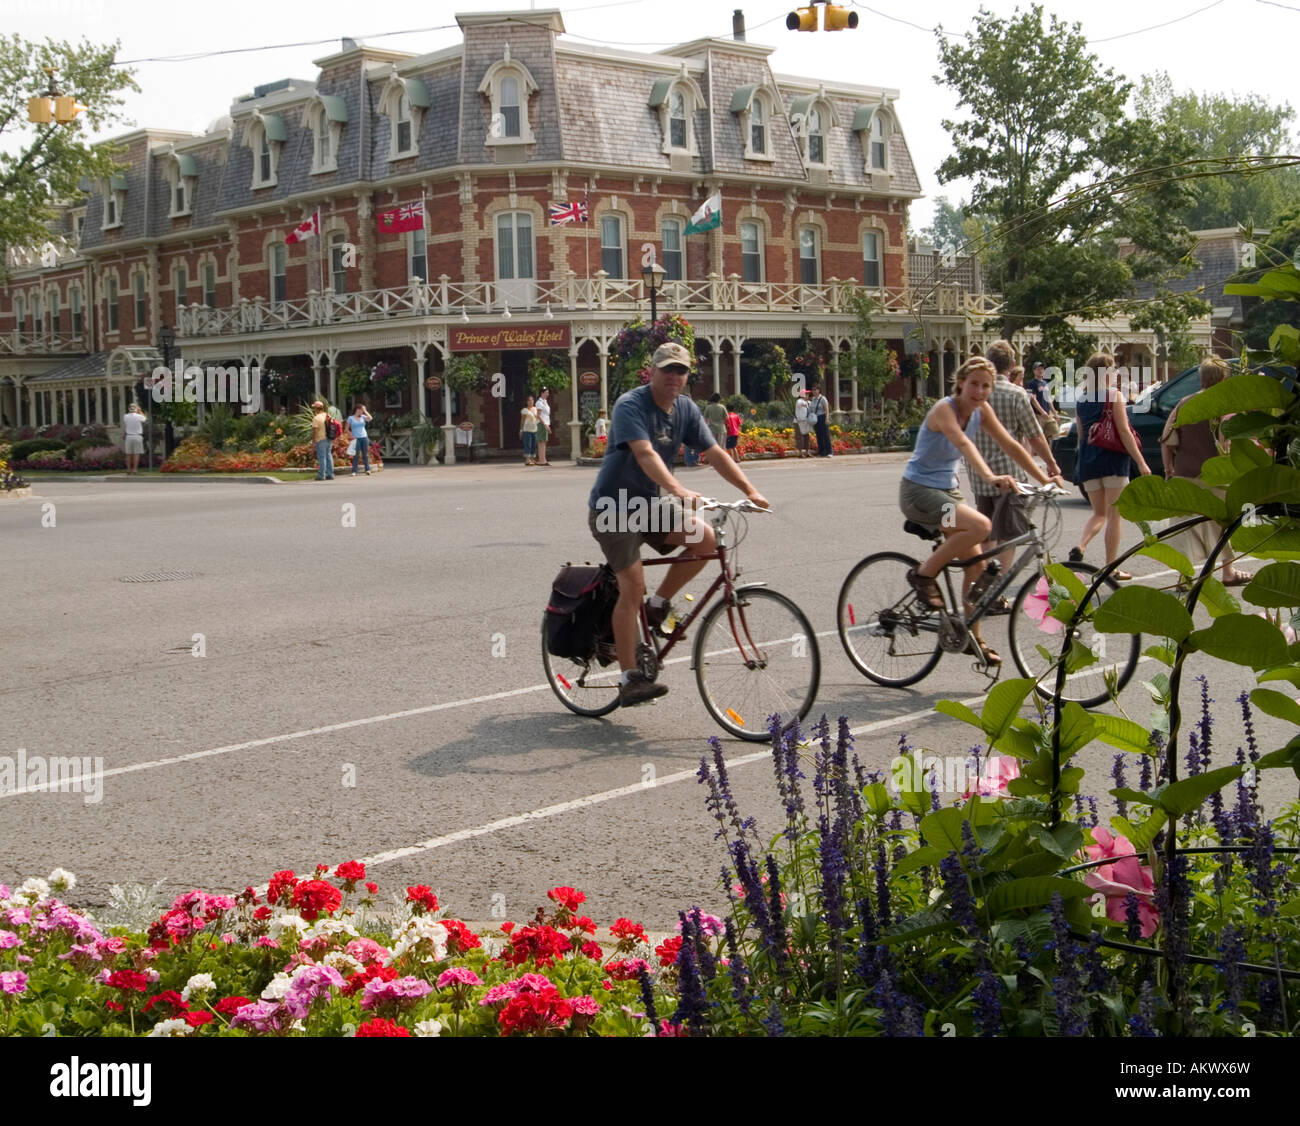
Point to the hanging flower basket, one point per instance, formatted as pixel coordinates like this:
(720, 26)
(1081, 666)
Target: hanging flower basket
(466, 373)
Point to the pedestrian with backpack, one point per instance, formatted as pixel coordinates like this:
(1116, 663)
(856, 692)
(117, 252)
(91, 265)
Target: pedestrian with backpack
(323, 433)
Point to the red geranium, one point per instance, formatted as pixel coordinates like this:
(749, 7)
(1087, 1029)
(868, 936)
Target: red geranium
(113, 1006)
(351, 870)
(262, 913)
(168, 997)
(459, 937)
(535, 1012)
(542, 944)
(375, 971)
(371, 888)
(667, 950)
(593, 951)
(281, 883)
(196, 1019)
(582, 923)
(507, 927)
(625, 929)
(381, 1027)
(228, 1006)
(315, 897)
(423, 897)
(566, 897)
(128, 980)
(626, 969)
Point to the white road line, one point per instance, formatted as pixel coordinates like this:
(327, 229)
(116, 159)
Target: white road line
(610, 795)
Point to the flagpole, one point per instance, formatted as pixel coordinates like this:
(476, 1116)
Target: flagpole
(586, 240)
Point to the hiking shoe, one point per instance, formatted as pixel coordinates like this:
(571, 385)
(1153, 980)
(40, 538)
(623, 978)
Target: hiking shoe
(638, 690)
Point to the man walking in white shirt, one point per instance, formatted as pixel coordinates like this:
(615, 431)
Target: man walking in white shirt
(543, 408)
(133, 438)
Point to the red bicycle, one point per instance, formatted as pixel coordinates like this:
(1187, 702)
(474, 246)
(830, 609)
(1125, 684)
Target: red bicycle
(755, 653)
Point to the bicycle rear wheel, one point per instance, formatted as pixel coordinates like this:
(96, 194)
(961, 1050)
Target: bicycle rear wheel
(584, 687)
(888, 632)
(1036, 651)
(755, 657)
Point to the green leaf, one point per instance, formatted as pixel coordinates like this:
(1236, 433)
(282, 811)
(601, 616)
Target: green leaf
(1035, 891)
(1276, 704)
(1216, 599)
(1282, 672)
(925, 857)
(926, 922)
(1036, 864)
(1123, 734)
(1064, 840)
(877, 799)
(1276, 585)
(1003, 705)
(960, 711)
(1162, 653)
(1070, 779)
(1289, 908)
(1183, 797)
(1136, 609)
(1153, 498)
(1078, 729)
(942, 829)
(1243, 639)
(1285, 340)
(1247, 455)
(1283, 757)
(1232, 396)
(1247, 425)
(1221, 471)
(1265, 485)
(1137, 796)
(1268, 540)
(1142, 835)
(1171, 557)
(1061, 575)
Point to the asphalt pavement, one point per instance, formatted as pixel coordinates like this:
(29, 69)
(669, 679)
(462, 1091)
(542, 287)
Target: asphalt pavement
(276, 677)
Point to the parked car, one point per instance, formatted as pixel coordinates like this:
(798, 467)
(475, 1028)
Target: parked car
(1147, 416)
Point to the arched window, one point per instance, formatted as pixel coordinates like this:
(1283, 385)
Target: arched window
(673, 257)
(751, 252)
(20, 315)
(279, 261)
(879, 138)
(264, 161)
(403, 125)
(516, 261)
(758, 127)
(611, 245)
(110, 299)
(810, 267)
(871, 259)
(816, 138)
(510, 106)
(140, 283)
(677, 120)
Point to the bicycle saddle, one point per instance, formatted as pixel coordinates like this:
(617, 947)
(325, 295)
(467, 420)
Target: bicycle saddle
(915, 529)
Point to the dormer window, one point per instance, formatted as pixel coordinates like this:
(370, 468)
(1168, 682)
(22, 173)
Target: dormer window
(325, 118)
(182, 174)
(404, 102)
(676, 100)
(874, 126)
(812, 116)
(508, 85)
(266, 135)
(754, 105)
(114, 201)
(878, 137)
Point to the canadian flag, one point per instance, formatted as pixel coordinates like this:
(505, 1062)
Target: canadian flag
(308, 228)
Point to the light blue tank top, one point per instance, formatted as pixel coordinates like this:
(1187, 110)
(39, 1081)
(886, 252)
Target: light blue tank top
(934, 461)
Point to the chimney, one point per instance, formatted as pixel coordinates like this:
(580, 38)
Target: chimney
(738, 25)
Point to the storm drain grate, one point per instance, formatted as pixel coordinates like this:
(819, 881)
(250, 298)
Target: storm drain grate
(159, 577)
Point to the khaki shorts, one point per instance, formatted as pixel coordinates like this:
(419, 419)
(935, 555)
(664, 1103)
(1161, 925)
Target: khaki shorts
(1104, 483)
(927, 506)
(1009, 519)
(622, 549)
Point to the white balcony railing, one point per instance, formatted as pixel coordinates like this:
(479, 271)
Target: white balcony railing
(42, 343)
(446, 297)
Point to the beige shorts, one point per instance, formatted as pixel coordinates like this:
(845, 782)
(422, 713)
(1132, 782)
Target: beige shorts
(1104, 483)
(926, 506)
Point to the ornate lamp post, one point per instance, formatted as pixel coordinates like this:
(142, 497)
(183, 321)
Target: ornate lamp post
(166, 341)
(652, 277)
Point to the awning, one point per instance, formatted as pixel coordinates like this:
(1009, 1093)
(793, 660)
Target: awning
(187, 164)
(83, 369)
(274, 125)
(336, 109)
(862, 118)
(741, 98)
(417, 92)
(659, 92)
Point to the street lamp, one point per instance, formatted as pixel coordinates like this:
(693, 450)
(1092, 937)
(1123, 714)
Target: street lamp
(166, 341)
(652, 277)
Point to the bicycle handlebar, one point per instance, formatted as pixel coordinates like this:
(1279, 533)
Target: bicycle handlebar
(746, 505)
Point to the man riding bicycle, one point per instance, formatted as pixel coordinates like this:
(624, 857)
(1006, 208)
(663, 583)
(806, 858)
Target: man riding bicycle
(628, 509)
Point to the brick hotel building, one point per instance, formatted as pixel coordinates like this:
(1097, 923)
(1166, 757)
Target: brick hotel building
(815, 181)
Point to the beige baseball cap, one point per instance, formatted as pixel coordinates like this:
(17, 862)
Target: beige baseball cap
(672, 353)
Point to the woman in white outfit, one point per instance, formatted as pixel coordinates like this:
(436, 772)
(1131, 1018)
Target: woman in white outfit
(133, 437)
(543, 407)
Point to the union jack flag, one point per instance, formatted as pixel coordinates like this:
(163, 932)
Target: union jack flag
(568, 213)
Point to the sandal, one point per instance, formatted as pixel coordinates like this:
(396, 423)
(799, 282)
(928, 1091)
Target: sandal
(987, 654)
(1238, 578)
(927, 588)
(1121, 576)
(1075, 556)
(1001, 606)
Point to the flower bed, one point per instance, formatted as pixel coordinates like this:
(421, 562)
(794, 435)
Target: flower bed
(195, 455)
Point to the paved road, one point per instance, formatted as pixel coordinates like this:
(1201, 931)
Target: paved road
(375, 691)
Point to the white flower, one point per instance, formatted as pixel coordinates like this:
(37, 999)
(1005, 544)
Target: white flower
(329, 928)
(33, 889)
(344, 963)
(61, 880)
(287, 922)
(198, 984)
(424, 935)
(175, 1027)
(427, 1028)
(277, 987)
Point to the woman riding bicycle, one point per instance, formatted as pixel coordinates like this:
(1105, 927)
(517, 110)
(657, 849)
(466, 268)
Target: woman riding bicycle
(928, 493)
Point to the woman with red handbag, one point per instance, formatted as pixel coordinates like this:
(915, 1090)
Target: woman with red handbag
(1106, 443)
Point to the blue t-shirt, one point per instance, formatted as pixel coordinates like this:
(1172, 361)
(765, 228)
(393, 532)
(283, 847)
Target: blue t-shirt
(934, 459)
(637, 417)
(358, 426)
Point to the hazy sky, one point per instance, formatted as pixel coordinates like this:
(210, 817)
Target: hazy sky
(1238, 46)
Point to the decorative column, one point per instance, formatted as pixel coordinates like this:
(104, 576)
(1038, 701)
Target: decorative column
(575, 423)
(603, 352)
(18, 402)
(837, 413)
(735, 356)
(366, 233)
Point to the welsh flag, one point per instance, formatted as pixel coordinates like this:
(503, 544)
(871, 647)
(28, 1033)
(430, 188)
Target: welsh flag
(308, 228)
(708, 216)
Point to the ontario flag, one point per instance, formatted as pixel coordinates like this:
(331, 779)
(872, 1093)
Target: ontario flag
(568, 213)
(308, 228)
(408, 217)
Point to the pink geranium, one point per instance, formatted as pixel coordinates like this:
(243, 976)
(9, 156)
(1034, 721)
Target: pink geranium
(1037, 606)
(1118, 880)
(992, 783)
(458, 975)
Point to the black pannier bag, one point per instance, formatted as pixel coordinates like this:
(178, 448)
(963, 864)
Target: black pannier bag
(578, 616)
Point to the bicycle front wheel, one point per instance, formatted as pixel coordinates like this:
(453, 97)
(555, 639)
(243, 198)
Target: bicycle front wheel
(1036, 651)
(888, 631)
(583, 687)
(756, 657)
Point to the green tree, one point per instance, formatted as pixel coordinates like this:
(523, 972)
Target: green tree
(41, 166)
(1060, 171)
(1229, 126)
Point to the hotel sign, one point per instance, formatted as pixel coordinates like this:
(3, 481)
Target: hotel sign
(506, 338)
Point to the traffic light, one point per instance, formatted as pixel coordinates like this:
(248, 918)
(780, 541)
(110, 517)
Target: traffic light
(804, 19)
(40, 110)
(837, 18)
(66, 108)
